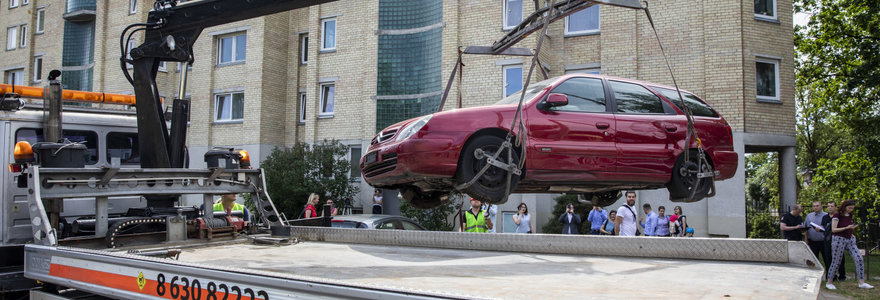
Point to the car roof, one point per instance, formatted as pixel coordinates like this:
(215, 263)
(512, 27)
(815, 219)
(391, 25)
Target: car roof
(642, 82)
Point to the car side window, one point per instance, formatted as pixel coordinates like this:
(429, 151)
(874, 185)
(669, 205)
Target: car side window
(386, 225)
(409, 226)
(584, 95)
(635, 99)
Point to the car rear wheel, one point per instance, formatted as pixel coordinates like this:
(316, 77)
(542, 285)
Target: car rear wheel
(604, 199)
(684, 179)
(492, 185)
(422, 200)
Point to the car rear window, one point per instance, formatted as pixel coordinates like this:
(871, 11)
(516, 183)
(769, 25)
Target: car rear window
(697, 106)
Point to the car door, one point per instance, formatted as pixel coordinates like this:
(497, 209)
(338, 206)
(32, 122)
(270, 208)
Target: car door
(567, 141)
(647, 132)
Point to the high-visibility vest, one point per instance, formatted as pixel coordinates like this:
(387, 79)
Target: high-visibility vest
(236, 208)
(475, 223)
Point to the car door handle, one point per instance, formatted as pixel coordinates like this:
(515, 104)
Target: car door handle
(602, 125)
(670, 127)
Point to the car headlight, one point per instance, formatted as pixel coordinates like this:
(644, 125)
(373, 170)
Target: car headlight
(411, 128)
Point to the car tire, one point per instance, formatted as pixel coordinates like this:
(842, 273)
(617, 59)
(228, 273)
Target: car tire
(491, 186)
(605, 198)
(683, 182)
(422, 200)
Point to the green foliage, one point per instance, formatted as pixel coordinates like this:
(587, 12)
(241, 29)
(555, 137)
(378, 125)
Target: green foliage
(582, 209)
(762, 181)
(763, 225)
(321, 168)
(434, 219)
(849, 176)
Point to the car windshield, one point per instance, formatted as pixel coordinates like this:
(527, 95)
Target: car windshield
(533, 90)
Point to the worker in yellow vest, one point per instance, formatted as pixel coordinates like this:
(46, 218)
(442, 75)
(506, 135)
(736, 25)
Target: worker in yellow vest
(476, 219)
(227, 204)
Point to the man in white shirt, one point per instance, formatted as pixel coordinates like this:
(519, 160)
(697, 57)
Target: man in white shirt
(493, 211)
(627, 220)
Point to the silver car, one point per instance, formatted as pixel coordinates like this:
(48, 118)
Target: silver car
(375, 222)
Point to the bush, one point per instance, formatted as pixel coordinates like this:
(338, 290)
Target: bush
(294, 173)
(763, 225)
(434, 219)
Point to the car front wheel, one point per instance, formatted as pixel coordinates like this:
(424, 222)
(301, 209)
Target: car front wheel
(492, 185)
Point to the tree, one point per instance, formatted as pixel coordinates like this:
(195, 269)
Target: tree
(582, 209)
(294, 173)
(436, 218)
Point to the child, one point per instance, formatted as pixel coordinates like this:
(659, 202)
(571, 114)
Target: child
(690, 232)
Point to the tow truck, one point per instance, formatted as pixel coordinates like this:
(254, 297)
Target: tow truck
(162, 251)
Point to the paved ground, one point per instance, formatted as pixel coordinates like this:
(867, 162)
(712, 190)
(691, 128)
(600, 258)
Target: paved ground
(477, 274)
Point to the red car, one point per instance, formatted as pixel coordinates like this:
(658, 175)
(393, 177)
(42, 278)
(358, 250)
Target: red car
(589, 134)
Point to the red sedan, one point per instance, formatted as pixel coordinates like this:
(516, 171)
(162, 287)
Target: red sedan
(589, 134)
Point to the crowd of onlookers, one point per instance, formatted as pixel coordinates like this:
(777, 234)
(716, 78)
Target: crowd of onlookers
(829, 234)
(625, 221)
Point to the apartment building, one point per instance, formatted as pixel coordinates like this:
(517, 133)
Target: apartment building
(346, 69)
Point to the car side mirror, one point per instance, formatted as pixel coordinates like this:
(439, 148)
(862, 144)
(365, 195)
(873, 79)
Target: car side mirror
(554, 100)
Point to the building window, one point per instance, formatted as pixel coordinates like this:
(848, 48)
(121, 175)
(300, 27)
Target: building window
(11, 37)
(304, 48)
(24, 2)
(765, 9)
(355, 159)
(15, 77)
(229, 107)
(583, 22)
(232, 49)
(38, 69)
(328, 99)
(13, 3)
(23, 41)
(41, 17)
(513, 13)
(302, 108)
(328, 28)
(132, 6)
(767, 79)
(513, 79)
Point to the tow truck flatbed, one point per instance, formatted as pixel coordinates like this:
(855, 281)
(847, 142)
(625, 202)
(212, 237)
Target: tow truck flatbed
(338, 263)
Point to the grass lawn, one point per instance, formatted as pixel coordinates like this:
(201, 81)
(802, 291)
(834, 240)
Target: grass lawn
(850, 288)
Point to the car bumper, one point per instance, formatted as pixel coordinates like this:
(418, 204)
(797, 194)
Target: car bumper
(410, 160)
(725, 163)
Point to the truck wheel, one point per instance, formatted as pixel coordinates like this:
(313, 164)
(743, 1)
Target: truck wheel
(604, 199)
(684, 180)
(491, 185)
(422, 200)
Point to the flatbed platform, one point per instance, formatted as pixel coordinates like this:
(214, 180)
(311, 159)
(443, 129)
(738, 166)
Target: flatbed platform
(381, 264)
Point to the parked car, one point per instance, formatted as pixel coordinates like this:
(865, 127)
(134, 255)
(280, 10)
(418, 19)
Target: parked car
(375, 222)
(589, 134)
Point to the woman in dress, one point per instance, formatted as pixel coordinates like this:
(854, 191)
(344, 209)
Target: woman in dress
(522, 219)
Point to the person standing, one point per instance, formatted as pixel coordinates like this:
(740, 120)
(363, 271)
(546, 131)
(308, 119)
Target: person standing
(522, 219)
(309, 211)
(841, 271)
(333, 210)
(570, 220)
(493, 212)
(792, 224)
(651, 223)
(597, 217)
(626, 223)
(662, 226)
(842, 227)
(377, 202)
(608, 226)
(476, 219)
(816, 232)
(227, 204)
(681, 221)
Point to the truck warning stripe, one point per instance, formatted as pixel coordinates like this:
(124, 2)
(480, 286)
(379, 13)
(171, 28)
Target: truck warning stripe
(129, 283)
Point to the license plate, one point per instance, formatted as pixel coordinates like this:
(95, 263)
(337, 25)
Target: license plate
(371, 158)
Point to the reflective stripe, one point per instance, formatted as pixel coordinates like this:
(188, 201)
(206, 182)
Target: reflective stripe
(475, 223)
